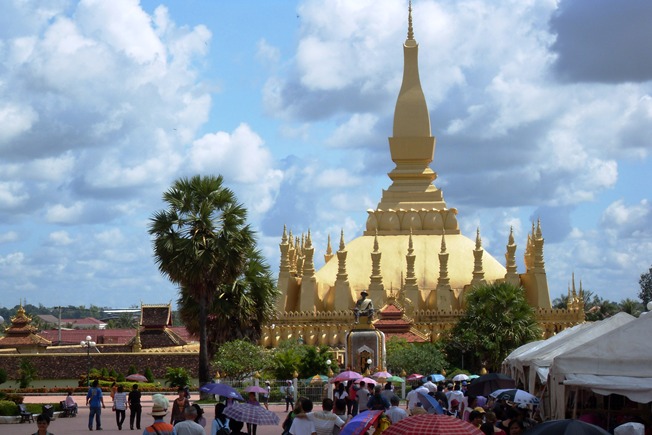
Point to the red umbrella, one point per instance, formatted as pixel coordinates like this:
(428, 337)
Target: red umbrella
(414, 377)
(136, 378)
(346, 376)
(432, 424)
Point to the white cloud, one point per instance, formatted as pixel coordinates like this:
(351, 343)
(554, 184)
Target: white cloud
(63, 214)
(9, 236)
(60, 238)
(355, 131)
(267, 53)
(12, 195)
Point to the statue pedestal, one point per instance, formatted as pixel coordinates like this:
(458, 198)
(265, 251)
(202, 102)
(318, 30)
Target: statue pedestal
(363, 343)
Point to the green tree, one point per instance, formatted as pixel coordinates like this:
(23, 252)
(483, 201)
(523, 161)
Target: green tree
(201, 242)
(3, 375)
(149, 375)
(596, 308)
(561, 302)
(646, 287)
(239, 310)
(286, 359)
(497, 320)
(630, 306)
(239, 359)
(424, 358)
(26, 373)
(313, 361)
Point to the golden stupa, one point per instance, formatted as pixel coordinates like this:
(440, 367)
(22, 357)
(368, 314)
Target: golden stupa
(412, 258)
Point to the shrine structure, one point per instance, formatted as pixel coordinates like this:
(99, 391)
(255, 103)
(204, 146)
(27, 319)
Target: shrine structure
(412, 258)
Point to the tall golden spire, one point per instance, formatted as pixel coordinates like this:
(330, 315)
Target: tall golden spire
(410, 34)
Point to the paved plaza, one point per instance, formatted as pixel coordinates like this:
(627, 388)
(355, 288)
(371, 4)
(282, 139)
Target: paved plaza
(79, 424)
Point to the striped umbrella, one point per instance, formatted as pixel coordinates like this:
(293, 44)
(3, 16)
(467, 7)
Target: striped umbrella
(254, 414)
(432, 424)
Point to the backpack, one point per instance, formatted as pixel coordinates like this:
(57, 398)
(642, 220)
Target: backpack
(287, 424)
(222, 429)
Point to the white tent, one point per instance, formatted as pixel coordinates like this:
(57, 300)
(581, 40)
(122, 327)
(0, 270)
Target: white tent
(535, 362)
(508, 366)
(617, 362)
(541, 361)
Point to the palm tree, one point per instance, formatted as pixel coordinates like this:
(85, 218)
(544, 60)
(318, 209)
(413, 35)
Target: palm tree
(497, 320)
(240, 309)
(201, 242)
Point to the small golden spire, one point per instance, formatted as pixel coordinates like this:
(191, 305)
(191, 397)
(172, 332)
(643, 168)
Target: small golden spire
(410, 34)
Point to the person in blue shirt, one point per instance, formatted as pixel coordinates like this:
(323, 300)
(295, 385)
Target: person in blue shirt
(95, 402)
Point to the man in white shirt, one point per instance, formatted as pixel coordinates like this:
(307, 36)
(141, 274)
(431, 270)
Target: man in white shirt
(432, 388)
(395, 413)
(188, 426)
(302, 425)
(325, 421)
(363, 397)
(413, 398)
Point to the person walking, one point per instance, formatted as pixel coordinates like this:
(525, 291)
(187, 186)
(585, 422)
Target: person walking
(289, 396)
(189, 426)
(120, 406)
(135, 407)
(160, 405)
(95, 402)
(178, 406)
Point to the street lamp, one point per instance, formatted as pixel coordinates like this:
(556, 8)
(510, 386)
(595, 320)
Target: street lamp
(88, 344)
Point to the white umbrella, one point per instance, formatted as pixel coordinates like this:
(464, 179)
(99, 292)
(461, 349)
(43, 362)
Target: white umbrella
(461, 377)
(515, 395)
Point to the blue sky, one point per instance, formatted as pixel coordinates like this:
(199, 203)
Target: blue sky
(541, 109)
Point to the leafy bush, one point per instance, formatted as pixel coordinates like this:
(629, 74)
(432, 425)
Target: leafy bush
(16, 398)
(176, 377)
(149, 375)
(3, 376)
(132, 370)
(7, 407)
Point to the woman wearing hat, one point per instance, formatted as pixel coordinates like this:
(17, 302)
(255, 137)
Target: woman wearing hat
(160, 405)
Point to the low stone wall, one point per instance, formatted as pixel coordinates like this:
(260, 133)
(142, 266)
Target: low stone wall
(73, 365)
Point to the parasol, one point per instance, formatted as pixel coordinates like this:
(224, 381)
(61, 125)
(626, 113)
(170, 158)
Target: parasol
(432, 424)
(360, 423)
(254, 414)
(221, 390)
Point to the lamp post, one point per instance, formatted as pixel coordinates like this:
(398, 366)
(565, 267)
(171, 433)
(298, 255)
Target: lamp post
(87, 344)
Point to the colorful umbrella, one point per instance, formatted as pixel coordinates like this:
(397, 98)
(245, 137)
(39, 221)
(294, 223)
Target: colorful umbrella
(395, 379)
(317, 379)
(136, 378)
(221, 390)
(360, 423)
(461, 377)
(366, 381)
(566, 427)
(381, 375)
(485, 384)
(430, 404)
(436, 377)
(347, 376)
(432, 424)
(254, 414)
(414, 377)
(515, 395)
(255, 389)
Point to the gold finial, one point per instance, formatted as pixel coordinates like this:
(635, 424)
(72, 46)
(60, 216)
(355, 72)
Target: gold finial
(329, 249)
(410, 34)
(478, 239)
(342, 245)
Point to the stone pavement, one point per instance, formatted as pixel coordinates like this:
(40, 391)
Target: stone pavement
(79, 424)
